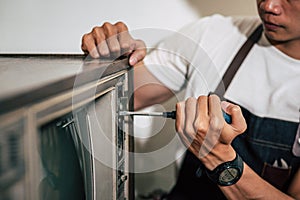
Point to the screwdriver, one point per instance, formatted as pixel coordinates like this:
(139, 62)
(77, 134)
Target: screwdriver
(171, 114)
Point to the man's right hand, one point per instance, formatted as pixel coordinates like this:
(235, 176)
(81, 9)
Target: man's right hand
(112, 41)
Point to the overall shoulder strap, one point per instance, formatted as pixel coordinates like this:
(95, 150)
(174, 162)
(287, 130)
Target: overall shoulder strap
(237, 61)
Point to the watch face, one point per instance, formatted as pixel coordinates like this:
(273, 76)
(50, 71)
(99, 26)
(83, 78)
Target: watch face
(228, 176)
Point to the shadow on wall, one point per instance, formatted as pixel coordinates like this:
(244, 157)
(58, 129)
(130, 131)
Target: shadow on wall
(228, 7)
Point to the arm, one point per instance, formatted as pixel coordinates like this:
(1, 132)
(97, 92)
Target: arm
(205, 133)
(147, 89)
(252, 186)
(294, 188)
(113, 40)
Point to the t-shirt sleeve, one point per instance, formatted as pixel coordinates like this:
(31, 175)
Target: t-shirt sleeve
(205, 47)
(169, 61)
(167, 67)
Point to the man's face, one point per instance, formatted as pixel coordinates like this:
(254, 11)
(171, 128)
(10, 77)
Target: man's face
(281, 19)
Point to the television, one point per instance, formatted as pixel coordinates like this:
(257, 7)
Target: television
(61, 136)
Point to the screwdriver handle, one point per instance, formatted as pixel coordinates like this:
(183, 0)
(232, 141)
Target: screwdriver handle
(227, 117)
(172, 115)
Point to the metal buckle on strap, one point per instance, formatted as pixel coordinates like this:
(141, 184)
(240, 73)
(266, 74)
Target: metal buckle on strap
(296, 146)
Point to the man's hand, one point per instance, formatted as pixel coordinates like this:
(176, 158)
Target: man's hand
(202, 128)
(113, 40)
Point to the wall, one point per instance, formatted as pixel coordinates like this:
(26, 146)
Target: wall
(56, 26)
(40, 26)
(228, 7)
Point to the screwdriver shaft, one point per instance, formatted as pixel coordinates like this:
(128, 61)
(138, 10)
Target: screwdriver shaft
(171, 114)
(155, 114)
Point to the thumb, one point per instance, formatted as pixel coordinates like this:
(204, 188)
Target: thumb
(139, 52)
(238, 124)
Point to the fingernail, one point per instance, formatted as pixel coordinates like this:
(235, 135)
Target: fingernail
(132, 60)
(94, 54)
(224, 105)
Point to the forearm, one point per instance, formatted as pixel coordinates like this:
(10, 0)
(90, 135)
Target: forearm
(203, 130)
(251, 186)
(147, 89)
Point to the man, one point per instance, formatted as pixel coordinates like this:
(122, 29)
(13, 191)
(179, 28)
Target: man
(261, 163)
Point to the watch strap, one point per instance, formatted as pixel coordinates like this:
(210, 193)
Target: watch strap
(236, 164)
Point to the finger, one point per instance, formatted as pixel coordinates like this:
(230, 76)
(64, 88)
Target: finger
(216, 122)
(125, 41)
(139, 52)
(101, 39)
(114, 46)
(88, 45)
(238, 121)
(190, 114)
(124, 38)
(202, 121)
(111, 33)
(179, 124)
(180, 118)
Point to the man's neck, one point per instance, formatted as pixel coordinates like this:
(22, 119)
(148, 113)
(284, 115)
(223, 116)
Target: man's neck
(290, 48)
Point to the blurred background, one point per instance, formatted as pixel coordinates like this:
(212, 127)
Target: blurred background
(56, 26)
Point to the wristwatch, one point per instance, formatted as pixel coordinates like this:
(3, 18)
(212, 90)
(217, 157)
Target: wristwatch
(227, 173)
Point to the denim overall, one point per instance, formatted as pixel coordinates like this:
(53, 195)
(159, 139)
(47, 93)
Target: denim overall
(266, 147)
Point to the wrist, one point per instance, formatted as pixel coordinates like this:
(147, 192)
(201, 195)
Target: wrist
(227, 173)
(218, 156)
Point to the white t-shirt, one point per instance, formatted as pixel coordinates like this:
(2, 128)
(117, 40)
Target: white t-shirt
(267, 83)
